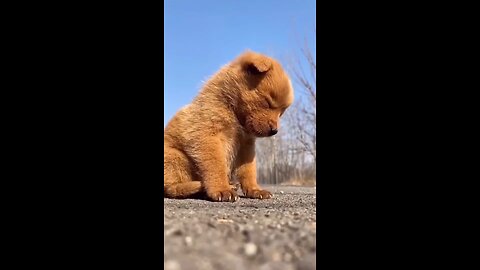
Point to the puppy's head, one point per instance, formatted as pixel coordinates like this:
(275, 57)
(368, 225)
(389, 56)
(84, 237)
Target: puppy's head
(264, 95)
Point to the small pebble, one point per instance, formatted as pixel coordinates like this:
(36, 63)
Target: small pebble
(250, 249)
(188, 241)
(173, 231)
(171, 265)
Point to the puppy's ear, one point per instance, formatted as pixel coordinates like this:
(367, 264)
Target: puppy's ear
(255, 63)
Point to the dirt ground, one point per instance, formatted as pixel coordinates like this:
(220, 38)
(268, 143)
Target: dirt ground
(278, 233)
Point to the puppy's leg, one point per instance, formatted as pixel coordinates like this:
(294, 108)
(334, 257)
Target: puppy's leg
(211, 161)
(246, 173)
(178, 176)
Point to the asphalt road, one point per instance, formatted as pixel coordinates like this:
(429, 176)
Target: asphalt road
(248, 234)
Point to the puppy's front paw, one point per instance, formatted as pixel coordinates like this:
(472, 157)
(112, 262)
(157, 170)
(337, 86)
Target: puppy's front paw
(228, 195)
(257, 194)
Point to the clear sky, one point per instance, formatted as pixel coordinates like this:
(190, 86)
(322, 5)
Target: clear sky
(202, 36)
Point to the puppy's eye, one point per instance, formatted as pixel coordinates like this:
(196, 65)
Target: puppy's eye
(267, 103)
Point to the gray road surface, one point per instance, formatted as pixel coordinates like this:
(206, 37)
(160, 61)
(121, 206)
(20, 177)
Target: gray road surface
(248, 234)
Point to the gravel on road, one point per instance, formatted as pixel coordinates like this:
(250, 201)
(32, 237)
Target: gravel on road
(278, 233)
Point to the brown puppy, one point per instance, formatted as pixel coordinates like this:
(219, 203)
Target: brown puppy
(211, 141)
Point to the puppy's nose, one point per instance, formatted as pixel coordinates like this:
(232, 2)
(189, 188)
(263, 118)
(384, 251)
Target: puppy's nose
(273, 131)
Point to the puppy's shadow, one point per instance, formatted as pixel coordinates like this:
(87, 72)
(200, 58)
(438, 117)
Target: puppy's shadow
(204, 197)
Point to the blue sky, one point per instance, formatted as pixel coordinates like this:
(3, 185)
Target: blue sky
(202, 36)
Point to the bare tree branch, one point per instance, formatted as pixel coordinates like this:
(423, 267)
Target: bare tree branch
(291, 154)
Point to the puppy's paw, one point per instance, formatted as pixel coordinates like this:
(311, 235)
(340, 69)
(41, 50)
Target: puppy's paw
(228, 195)
(257, 194)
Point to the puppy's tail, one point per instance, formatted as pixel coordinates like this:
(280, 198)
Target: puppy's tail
(183, 190)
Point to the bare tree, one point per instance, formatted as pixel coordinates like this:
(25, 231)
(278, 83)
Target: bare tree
(291, 155)
(305, 117)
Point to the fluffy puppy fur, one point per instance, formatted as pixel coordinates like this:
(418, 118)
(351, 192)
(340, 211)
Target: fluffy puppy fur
(211, 142)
